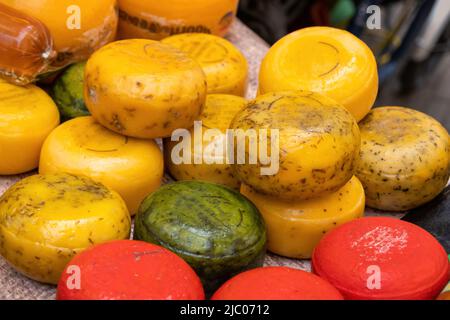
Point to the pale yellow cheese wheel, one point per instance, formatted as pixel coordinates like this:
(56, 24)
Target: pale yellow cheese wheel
(218, 113)
(132, 167)
(404, 160)
(45, 220)
(224, 65)
(294, 228)
(27, 116)
(326, 60)
(143, 88)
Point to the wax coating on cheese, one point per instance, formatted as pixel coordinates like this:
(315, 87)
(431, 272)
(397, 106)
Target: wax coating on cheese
(143, 88)
(224, 65)
(45, 220)
(404, 160)
(294, 228)
(318, 144)
(27, 116)
(132, 167)
(218, 113)
(326, 60)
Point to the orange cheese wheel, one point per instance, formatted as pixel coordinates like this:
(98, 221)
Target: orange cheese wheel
(154, 19)
(329, 61)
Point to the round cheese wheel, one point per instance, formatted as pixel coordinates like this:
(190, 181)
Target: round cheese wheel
(132, 167)
(209, 147)
(294, 228)
(382, 258)
(129, 270)
(318, 143)
(144, 89)
(78, 28)
(277, 283)
(27, 116)
(404, 160)
(47, 219)
(215, 229)
(153, 19)
(224, 65)
(325, 60)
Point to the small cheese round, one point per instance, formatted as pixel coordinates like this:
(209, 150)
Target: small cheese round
(382, 258)
(224, 65)
(129, 270)
(217, 115)
(132, 167)
(294, 228)
(318, 144)
(143, 88)
(45, 220)
(404, 159)
(326, 60)
(27, 116)
(277, 283)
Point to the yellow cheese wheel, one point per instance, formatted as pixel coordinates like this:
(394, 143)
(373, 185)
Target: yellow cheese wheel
(318, 142)
(217, 115)
(78, 27)
(295, 228)
(47, 219)
(144, 89)
(224, 65)
(27, 116)
(153, 19)
(324, 60)
(404, 160)
(132, 167)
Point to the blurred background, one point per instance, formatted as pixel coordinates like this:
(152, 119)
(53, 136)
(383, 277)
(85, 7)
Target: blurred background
(412, 45)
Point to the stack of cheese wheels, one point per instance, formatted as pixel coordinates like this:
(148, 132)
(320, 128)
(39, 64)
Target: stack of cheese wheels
(132, 167)
(382, 258)
(202, 153)
(130, 270)
(306, 187)
(154, 19)
(28, 115)
(78, 28)
(324, 60)
(143, 88)
(45, 220)
(224, 65)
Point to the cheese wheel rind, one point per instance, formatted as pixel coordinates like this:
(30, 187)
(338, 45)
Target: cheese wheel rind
(294, 228)
(143, 88)
(27, 116)
(225, 67)
(47, 219)
(132, 167)
(404, 159)
(326, 60)
(318, 144)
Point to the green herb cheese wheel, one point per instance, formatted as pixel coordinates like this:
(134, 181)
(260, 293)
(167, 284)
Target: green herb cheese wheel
(215, 229)
(67, 92)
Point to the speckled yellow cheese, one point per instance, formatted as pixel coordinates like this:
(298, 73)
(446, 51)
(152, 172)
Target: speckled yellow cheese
(27, 116)
(47, 219)
(404, 159)
(155, 19)
(294, 228)
(319, 142)
(218, 113)
(132, 167)
(224, 65)
(144, 89)
(326, 60)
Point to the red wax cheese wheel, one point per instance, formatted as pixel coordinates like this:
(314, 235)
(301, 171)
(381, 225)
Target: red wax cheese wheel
(129, 270)
(382, 258)
(277, 283)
